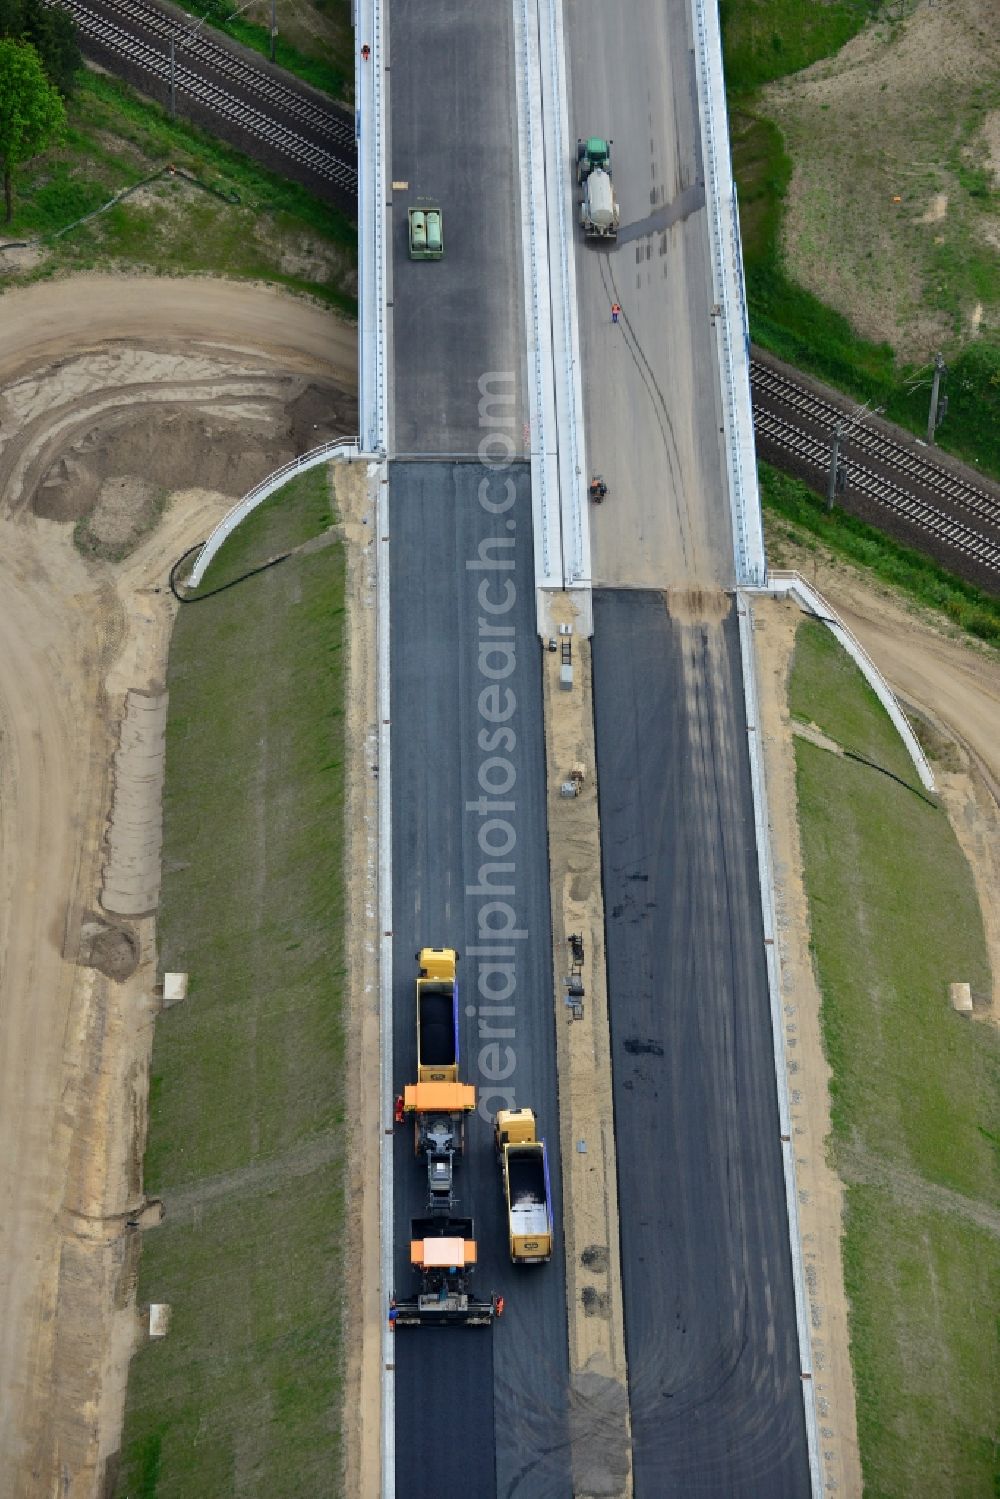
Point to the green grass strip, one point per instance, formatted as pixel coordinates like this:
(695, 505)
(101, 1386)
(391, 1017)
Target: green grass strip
(923, 1288)
(116, 139)
(895, 920)
(246, 1102)
(827, 690)
(915, 1092)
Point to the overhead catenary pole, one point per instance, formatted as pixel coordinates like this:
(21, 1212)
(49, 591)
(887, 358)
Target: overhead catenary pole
(831, 478)
(940, 369)
(274, 31)
(836, 481)
(173, 80)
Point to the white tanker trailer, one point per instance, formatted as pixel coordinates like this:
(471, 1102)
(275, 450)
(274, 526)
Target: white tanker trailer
(599, 209)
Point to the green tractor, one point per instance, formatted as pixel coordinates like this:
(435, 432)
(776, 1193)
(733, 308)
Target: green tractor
(591, 154)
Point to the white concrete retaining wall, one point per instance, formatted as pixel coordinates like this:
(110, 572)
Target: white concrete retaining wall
(346, 449)
(732, 329)
(560, 201)
(808, 598)
(537, 300)
(370, 125)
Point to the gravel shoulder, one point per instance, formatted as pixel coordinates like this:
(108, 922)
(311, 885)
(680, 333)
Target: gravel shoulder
(820, 1192)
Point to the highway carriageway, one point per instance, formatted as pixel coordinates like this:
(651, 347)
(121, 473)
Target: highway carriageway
(478, 1411)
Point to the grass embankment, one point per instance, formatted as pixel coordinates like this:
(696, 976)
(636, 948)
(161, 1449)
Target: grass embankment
(275, 230)
(949, 270)
(915, 1091)
(792, 513)
(326, 59)
(246, 1097)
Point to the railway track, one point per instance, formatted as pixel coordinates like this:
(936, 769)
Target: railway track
(317, 139)
(956, 518)
(815, 452)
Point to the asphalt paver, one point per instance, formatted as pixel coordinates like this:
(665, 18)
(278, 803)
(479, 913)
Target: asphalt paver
(479, 1412)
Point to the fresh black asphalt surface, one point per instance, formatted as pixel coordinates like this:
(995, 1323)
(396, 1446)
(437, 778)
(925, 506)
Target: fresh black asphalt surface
(453, 142)
(478, 1412)
(714, 1382)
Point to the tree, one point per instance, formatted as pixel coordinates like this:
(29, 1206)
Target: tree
(31, 111)
(53, 35)
(51, 32)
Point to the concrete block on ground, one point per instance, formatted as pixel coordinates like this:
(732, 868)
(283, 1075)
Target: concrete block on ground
(159, 1319)
(175, 988)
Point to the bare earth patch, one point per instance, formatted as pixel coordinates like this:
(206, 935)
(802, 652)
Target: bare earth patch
(111, 387)
(936, 210)
(879, 223)
(991, 140)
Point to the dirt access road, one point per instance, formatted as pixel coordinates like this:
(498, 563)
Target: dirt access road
(132, 412)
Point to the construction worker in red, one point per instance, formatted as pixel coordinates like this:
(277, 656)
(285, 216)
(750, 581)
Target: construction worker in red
(615, 312)
(399, 1111)
(366, 52)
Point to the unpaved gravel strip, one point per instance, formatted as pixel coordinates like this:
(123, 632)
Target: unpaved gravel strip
(75, 1056)
(600, 1422)
(51, 750)
(820, 1192)
(362, 1418)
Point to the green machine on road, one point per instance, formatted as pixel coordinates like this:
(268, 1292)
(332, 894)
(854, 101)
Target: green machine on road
(590, 154)
(426, 233)
(599, 208)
